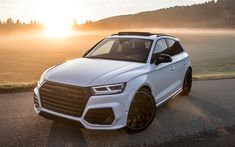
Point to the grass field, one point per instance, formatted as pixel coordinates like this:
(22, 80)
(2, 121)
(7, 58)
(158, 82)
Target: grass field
(25, 56)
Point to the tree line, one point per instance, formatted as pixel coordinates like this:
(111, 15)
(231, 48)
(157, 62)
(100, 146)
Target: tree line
(212, 14)
(10, 25)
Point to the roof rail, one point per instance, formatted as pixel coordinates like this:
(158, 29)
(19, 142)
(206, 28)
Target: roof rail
(162, 34)
(142, 34)
(134, 33)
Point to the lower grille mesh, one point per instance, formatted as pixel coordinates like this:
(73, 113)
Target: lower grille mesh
(65, 99)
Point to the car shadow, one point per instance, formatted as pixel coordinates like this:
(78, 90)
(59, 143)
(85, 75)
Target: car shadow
(174, 118)
(65, 135)
(214, 110)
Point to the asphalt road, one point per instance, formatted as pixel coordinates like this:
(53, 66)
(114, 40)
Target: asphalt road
(204, 118)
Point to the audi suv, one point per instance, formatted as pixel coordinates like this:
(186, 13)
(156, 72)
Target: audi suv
(116, 84)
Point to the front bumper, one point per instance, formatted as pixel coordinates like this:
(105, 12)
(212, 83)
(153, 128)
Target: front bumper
(117, 103)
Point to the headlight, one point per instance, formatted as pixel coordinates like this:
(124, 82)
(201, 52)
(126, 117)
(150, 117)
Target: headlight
(109, 89)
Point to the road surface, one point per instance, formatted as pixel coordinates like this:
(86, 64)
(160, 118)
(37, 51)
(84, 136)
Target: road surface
(204, 118)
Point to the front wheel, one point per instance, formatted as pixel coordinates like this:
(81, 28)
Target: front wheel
(187, 85)
(141, 112)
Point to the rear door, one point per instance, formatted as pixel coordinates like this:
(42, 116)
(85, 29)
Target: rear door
(178, 65)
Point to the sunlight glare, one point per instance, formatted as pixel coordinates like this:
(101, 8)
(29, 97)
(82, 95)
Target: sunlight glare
(58, 17)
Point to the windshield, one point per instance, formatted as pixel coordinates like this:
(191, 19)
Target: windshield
(124, 49)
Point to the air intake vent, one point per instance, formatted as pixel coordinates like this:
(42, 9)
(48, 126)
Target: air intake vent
(102, 116)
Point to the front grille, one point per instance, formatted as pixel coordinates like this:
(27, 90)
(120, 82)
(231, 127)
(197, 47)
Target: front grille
(65, 99)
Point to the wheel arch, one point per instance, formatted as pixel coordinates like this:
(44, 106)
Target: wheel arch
(190, 68)
(146, 87)
(130, 99)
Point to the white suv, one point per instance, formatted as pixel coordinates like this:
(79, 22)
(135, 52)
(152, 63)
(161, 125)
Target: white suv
(116, 84)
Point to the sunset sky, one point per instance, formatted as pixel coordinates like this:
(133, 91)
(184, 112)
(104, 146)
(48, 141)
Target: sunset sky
(81, 10)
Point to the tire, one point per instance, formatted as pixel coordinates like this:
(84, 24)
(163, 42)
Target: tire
(142, 111)
(187, 85)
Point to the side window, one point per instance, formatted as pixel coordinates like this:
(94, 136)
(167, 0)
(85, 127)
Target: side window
(160, 46)
(174, 47)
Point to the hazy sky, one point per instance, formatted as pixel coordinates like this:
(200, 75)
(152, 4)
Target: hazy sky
(80, 10)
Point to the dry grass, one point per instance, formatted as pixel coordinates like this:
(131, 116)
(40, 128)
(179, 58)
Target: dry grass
(16, 87)
(214, 76)
(25, 56)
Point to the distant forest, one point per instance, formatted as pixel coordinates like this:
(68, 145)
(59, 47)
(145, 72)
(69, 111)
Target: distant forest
(9, 26)
(212, 14)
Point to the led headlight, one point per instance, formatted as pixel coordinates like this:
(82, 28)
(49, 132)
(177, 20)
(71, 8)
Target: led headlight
(109, 89)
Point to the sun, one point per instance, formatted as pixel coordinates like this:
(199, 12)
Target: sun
(58, 28)
(57, 17)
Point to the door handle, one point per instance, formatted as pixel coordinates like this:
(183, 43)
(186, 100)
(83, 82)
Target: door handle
(172, 68)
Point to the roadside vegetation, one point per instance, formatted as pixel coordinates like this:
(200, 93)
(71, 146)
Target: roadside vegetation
(16, 87)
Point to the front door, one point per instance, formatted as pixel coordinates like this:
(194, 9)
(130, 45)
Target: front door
(162, 74)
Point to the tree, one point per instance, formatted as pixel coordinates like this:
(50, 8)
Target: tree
(10, 21)
(18, 22)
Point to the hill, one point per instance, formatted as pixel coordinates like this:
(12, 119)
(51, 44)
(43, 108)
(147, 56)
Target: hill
(220, 14)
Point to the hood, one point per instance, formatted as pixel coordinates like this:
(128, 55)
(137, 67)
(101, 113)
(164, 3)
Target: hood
(89, 72)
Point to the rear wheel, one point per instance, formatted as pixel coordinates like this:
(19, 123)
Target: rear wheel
(141, 112)
(187, 85)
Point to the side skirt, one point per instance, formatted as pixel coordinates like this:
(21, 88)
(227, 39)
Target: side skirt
(171, 96)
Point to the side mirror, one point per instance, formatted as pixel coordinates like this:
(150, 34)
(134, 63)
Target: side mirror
(86, 52)
(162, 58)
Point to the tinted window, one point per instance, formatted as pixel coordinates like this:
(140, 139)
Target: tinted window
(174, 47)
(126, 49)
(160, 46)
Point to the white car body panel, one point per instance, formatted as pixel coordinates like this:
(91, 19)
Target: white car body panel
(75, 73)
